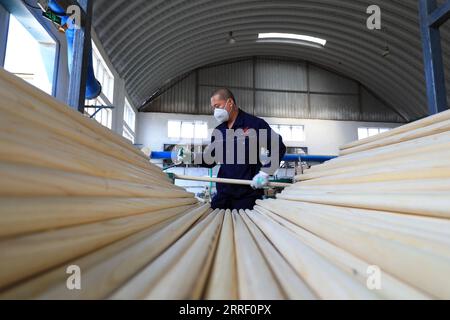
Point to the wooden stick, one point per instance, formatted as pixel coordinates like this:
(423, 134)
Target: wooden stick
(412, 256)
(391, 287)
(228, 181)
(26, 256)
(104, 270)
(195, 262)
(143, 282)
(68, 128)
(35, 147)
(25, 215)
(255, 283)
(407, 186)
(222, 284)
(433, 229)
(408, 149)
(27, 181)
(20, 89)
(439, 154)
(433, 169)
(426, 204)
(327, 280)
(291, 284)
(430, 230)
(43, 285)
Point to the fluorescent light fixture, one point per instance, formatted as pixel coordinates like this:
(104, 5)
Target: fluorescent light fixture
(291, 36)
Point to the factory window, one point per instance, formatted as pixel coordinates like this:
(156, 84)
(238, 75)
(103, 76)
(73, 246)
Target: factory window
(369, 132)
(129, 116)
(129, 121)
(128, 134)
(187, 129)
(201, 130)
(103, 74)
(103, 116)
(290, 133)
(31, 53)
(106, 79)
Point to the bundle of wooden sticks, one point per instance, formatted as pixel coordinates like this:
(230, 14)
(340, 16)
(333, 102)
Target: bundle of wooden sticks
(372, 224)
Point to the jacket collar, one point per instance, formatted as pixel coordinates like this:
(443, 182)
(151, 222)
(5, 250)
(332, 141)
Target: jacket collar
(239, 122)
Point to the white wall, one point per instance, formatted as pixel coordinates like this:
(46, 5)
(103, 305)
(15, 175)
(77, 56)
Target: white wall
(323, 137)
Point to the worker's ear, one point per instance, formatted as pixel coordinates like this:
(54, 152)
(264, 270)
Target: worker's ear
(230, 103)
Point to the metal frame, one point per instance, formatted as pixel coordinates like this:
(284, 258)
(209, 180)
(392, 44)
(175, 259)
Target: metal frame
(97, 109)
(4, 26)
(431, 18)
(82, 41)
(49, 27)
(146, 106)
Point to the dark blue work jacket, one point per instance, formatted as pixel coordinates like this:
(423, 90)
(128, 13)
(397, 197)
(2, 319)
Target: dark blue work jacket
(247, 170)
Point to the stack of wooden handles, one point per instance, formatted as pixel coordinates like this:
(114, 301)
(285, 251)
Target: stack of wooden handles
(386, 200)
(372, 224)
(70, 187)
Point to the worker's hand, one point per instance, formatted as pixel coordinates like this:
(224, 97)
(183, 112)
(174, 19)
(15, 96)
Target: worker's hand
(260, 180)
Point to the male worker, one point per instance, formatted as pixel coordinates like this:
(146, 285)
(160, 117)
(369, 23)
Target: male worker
(248, 133)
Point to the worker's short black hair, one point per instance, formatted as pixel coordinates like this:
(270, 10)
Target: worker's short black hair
(224, 93)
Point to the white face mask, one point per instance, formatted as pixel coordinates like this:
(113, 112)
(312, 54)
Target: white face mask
(221, 115)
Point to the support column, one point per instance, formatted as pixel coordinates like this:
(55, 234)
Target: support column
(432, 55)
(119, 103)
(4, 26)
(82, 41)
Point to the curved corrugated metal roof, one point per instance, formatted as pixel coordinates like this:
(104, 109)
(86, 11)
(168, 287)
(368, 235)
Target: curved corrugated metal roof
(153, 42)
